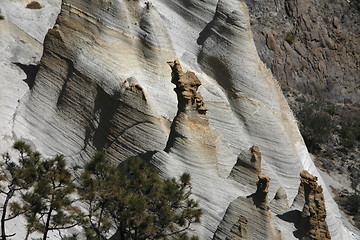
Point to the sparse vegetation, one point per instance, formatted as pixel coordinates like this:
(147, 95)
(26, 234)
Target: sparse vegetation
(337, 149)
(34, 5)
(320, 119)
(48, 205)
(315, 124)
(290, 38)
(350, 131)
(15, 179)
(350, 203)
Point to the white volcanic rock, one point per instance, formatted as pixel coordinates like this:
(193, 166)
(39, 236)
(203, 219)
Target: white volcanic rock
(34, 22)
(104, 83)
(241, 220)
(21, 34)
(16, 47)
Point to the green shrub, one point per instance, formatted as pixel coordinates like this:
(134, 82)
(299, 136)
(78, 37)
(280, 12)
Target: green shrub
(352, 204)
(315, 124)
(132, 198)
(350, 131)
(290, 38)
(331, 109)
(328, 153)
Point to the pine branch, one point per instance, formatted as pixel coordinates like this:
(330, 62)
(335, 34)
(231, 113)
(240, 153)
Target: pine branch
(11, 235)
(12, 217)
(63, 227)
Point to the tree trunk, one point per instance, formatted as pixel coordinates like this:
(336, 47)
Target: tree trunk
(122, 232)
(47, 224)
(27, 234)
(3, 217)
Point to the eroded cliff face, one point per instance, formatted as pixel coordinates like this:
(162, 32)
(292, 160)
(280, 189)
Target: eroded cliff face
(104, 83)
(310, 46)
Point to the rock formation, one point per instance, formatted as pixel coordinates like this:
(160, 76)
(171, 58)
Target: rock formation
(241, 220)
(248, 167)
(313, 224)
(280, 202)
(187, 85)
(260, 196)
(104, 84)
(307, 213)
(310, 46)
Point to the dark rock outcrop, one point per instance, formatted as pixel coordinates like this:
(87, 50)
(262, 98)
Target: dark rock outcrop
(311, 46)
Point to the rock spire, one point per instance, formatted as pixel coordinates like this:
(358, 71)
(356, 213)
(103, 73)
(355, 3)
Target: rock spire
(187, 84)
(313, 213)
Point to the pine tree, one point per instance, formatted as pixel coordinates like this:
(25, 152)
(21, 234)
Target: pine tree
(15, 178)
(48, 206)
(136, 201)
(94, 190)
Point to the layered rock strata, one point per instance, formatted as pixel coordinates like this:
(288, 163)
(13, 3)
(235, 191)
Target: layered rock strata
(280, 203)
(104, 84)
(247, 167)
(193, 146)
(84, 111)
(241, 220)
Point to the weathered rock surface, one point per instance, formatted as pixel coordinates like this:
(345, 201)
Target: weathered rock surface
(260, 196)
(311, 46)
(280, 203)
(313, 224)
(307, 212)
(187, 85)
(247, 167)
(241, 217)
(104, 83)
(35, 22)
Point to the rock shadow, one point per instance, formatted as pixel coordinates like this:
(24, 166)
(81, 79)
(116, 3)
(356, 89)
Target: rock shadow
(205, 33)
(30, 71)
(294, 216)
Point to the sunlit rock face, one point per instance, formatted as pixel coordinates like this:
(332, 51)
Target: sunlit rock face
(21, 33)
(314, 212)
(104, 83)
(241, 220)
